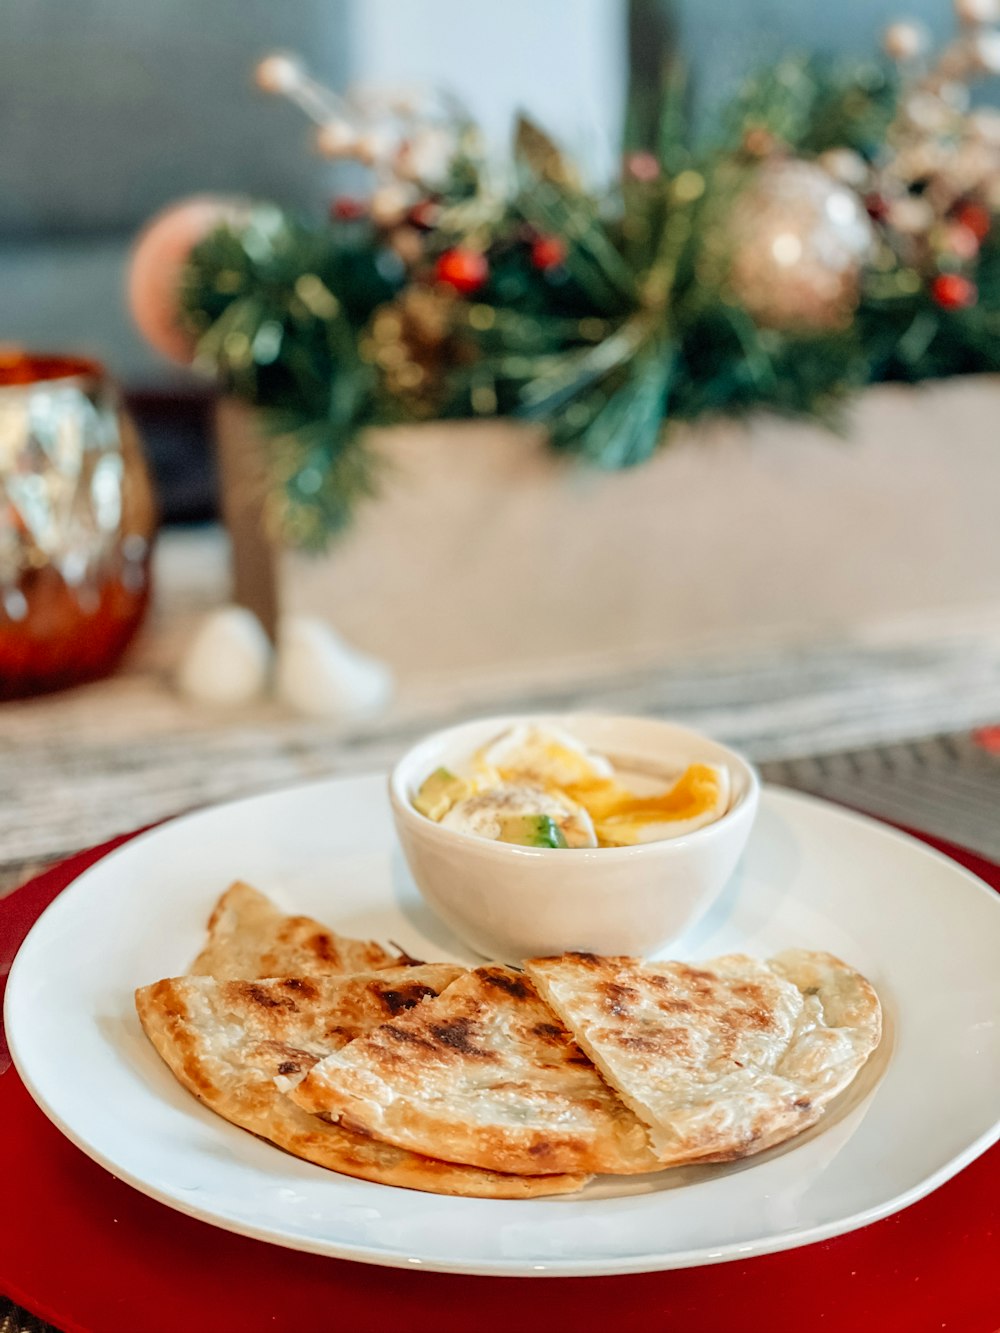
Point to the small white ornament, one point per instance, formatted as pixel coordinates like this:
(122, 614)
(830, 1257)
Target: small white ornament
(986, 46)
(425, 156)
(905, 41)
(911, 214)
(928, 112)
(955, 95)
(228, 660)
(319, 675)
(336, 139)
(279, 74)
(371, 146)
(977, 11)
(388, 204)
(984, 124)
(846, 166)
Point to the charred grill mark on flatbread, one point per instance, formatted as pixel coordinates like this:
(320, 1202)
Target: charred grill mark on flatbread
(550, 1031)
(405, 1037)
(278, 1057)
(509, 982)
(457, 1035)
(337, 1035)
(323, 946)
(723, 1059)
(226, 1049)
(618, 997)
(667, 1041)
(301, 986)
(482, 1073)
(404, 997)
(267, 999)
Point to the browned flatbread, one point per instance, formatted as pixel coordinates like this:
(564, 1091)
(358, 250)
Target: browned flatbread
(484, 1074)
(720, 1059)
(235, 1044)
(249, 937)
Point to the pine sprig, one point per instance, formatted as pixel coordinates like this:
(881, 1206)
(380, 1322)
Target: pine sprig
(603, 317)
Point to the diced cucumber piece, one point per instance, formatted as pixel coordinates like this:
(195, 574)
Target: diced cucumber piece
(438, 793)
(532, 831)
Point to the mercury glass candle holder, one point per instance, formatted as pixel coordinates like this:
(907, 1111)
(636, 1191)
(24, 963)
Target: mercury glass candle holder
(77, 520)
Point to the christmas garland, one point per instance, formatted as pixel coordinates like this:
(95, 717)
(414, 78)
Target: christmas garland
(839, 229)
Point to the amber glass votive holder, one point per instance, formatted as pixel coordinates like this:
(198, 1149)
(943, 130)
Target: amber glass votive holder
(77, 520)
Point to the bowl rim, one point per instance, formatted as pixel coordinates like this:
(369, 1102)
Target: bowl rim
(741, 808)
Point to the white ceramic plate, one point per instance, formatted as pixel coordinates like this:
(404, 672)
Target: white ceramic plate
(926, 933)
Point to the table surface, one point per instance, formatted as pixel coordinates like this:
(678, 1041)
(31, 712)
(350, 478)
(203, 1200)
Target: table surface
(82, 766)
(883, 719)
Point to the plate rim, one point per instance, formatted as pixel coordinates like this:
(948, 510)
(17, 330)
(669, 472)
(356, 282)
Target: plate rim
(502, 1267)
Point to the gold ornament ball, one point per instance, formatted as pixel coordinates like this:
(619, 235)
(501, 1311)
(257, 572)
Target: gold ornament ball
(797, 241)
(278, 74)
(336, 139)
(905, 41)
(977, 11)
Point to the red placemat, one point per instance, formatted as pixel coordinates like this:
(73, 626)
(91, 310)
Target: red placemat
(92, 1255)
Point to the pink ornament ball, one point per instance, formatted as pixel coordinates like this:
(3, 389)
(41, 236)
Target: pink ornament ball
(158, 257)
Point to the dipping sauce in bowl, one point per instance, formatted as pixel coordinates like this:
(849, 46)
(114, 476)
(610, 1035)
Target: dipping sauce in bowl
(535, 835)
(538, 786)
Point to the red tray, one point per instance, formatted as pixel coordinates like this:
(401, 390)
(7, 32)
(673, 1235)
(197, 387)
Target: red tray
(92, 1255)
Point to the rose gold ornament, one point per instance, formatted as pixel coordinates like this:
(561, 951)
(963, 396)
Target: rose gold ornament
(905, 41)
(157, 264)
(798, 241)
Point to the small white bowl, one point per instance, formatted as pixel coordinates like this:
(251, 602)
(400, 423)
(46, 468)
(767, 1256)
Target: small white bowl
(510, 902)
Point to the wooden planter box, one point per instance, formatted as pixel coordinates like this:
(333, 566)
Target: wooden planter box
(486, 554)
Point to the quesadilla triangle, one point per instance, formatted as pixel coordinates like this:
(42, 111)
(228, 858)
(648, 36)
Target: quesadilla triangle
(720, 1059)
(487, 1075)
(235, 1044)
(250, 937)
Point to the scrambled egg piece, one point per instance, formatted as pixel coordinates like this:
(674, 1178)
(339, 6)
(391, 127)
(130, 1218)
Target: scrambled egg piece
(541, 787)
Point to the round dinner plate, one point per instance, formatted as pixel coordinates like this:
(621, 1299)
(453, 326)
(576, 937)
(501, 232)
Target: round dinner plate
(925, 932)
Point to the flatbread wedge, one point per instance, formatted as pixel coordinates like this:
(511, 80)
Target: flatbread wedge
(484, 1074)
(720, 1059)
(249, 937)
(236, 1044)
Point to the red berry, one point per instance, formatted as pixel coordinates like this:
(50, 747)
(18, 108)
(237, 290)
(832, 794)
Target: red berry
(642, 166)
(975, 217)
(465, 270)
(426, 214)
(548, 252)
(953, 292)
(346, 209)
(877, 206)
